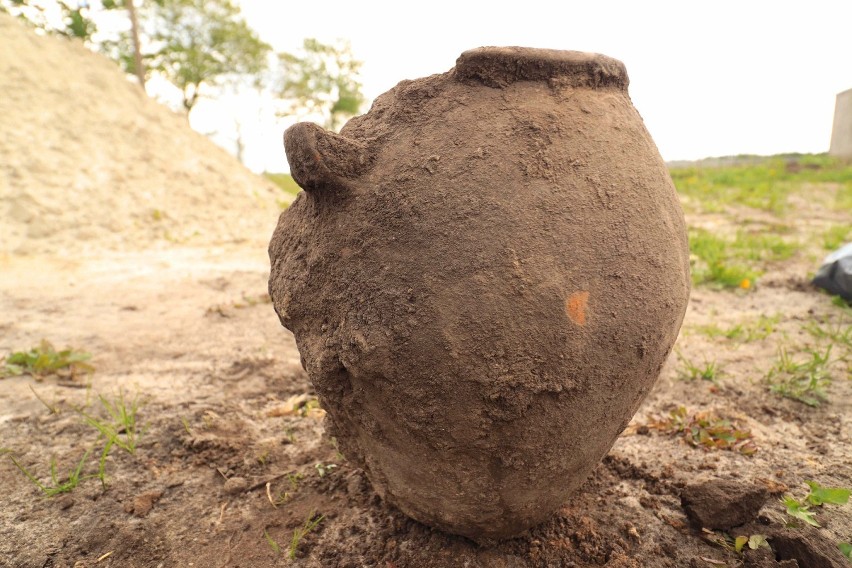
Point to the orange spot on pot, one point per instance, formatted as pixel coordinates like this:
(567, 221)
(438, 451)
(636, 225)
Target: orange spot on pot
(575, 307)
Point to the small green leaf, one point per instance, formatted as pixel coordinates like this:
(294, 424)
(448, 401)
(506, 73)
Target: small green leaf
(799, 511)
(740, 542)
(755, 541)
(846, 549)
(833, 495)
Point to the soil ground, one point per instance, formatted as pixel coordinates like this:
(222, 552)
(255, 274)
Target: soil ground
(227, 470)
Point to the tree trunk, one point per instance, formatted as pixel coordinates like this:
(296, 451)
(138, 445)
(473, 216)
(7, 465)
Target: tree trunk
(240, 142)
(138, 65)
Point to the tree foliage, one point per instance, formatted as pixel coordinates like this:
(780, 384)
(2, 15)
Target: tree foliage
(62, 17)
(322, 80)
(198, 44)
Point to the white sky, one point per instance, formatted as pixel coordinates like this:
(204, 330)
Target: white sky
(709, 78)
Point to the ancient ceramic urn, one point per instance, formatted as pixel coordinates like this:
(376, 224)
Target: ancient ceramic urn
(484, 276)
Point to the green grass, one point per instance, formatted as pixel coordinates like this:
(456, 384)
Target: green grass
(287, 184)
(746, 332)
(836, 235)
(735, 262)
(765, 184)
(689, 371)
(300, 532)
(44, 360)
(837, 333)
(805, 381)
(271, 542)
(57, 485)
(119, 428)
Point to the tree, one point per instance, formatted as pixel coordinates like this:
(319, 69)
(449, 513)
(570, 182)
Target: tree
(61, 17)
(200, 44)
(138, 66)
(195, 44)
(323, 80)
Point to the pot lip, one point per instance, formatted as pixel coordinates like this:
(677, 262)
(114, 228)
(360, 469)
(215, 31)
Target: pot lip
(502, 66)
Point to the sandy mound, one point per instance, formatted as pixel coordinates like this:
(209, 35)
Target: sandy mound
(88, 161)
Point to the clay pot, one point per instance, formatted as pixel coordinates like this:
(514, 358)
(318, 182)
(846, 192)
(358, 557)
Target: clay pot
(484, 276)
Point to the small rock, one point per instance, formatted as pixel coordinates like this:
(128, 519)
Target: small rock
(723, 504)
(143, 503)
(620, 560)
(65, 502)
(235, 485)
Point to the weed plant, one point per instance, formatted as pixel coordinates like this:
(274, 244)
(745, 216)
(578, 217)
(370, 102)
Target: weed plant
(44, 360)
(706, 430)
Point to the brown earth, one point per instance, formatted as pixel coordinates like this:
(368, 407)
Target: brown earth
(191, 333)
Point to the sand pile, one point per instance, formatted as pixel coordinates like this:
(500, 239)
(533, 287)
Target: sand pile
(89, 162)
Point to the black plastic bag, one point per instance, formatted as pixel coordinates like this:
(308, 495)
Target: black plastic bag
(835, 274)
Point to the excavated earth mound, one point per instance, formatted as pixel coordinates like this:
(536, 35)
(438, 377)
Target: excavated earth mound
(89, 162)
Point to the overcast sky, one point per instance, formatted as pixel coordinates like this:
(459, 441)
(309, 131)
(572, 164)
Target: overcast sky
(709, 78)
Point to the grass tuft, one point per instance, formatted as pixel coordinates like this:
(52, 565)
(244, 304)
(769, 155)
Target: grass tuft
(120, 429)
(689, 371)
(300, 532)
(57, 485)
(803, 381)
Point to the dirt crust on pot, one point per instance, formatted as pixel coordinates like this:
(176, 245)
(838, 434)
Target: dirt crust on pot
(484, 278)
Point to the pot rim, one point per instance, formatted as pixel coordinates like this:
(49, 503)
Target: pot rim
(502, 66)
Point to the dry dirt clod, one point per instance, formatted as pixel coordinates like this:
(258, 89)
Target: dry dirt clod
(65, 502)
(142, 504)
(723, 504)
(235, 486)
(807, 547)
(765, 558)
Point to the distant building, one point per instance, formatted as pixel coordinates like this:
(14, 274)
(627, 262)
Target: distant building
(841, 133)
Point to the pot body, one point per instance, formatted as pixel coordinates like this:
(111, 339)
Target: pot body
(484, 277)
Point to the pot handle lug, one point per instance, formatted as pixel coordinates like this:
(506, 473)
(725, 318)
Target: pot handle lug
(321, 160)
